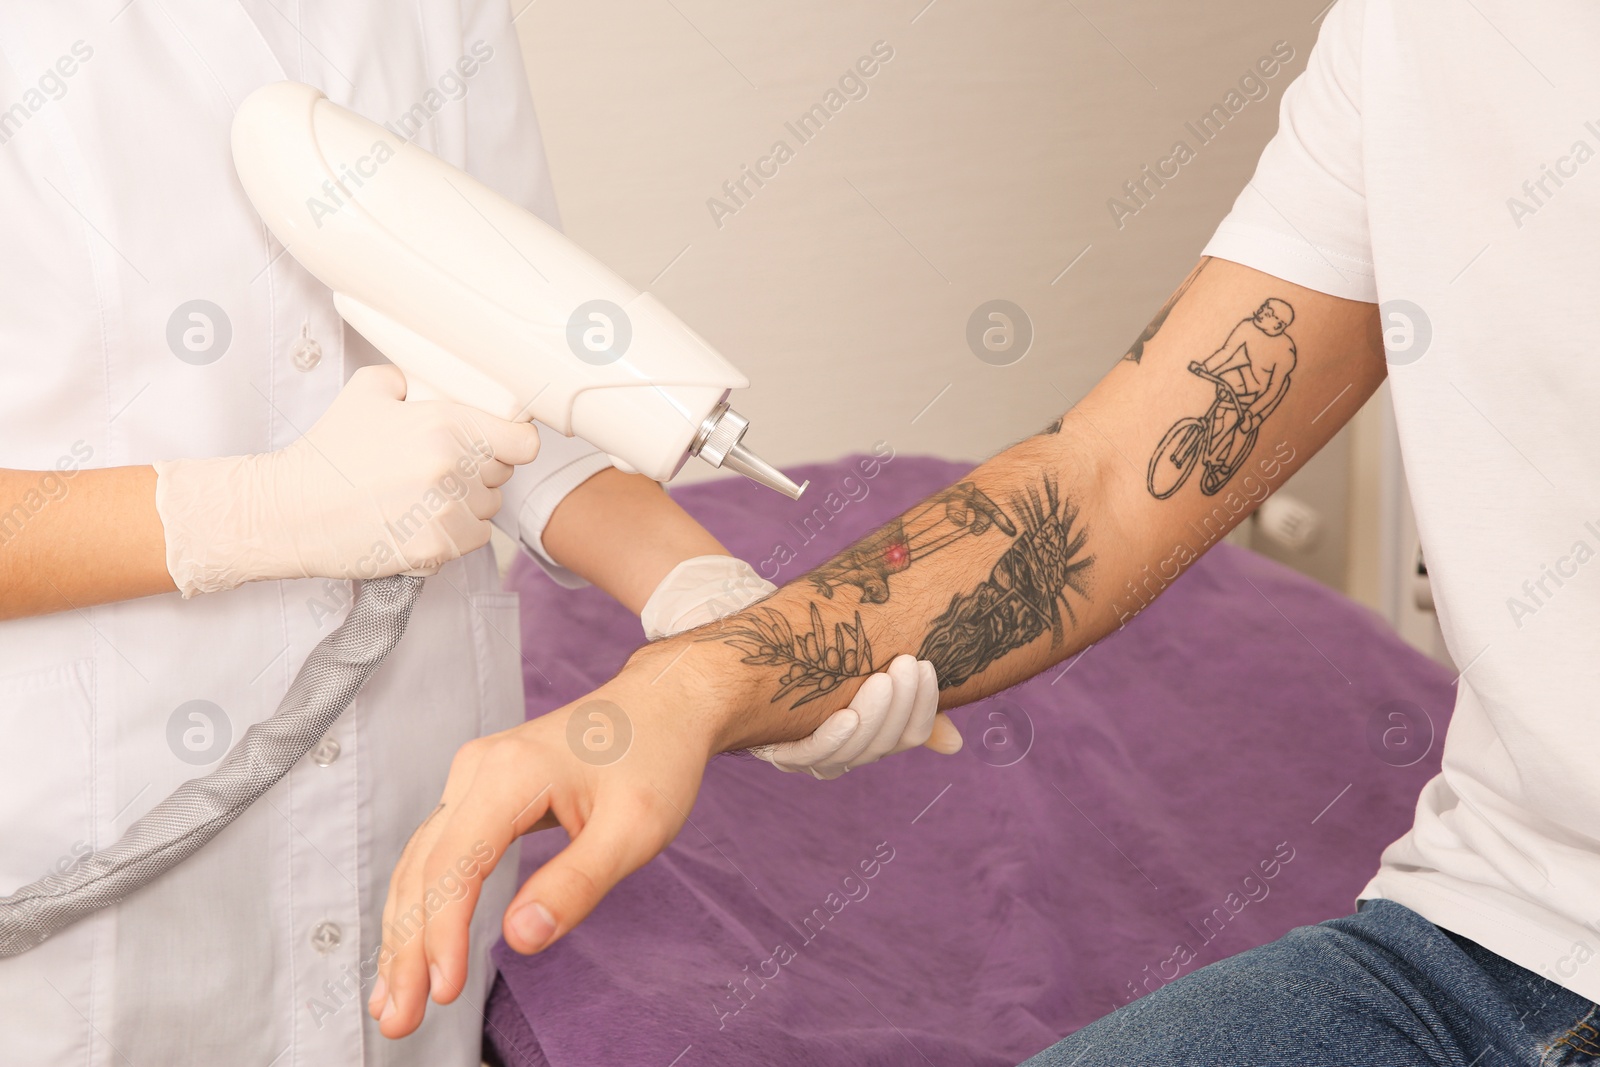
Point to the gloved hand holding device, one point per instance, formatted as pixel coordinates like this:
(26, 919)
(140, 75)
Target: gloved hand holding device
(893, 711)
(377, 487)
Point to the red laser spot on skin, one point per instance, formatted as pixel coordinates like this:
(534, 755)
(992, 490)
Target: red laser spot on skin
(897, 555)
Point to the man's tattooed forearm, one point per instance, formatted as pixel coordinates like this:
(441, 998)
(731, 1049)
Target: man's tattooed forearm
(814, 662)
(1025, 595)
(818, 661)
(1250, 374)
(962, 510)
(1136, 352)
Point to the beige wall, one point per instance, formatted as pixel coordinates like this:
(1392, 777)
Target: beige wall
(978, 165)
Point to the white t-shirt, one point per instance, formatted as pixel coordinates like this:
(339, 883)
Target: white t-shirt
(1443, 159)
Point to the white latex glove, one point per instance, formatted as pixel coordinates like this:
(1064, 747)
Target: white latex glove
(893, 711)
(377, 487)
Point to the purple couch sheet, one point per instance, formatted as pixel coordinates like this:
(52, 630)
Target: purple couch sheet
(1226, 767)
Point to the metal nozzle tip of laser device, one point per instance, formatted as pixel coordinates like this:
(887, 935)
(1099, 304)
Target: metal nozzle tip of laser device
(720, 443)
(752, 466)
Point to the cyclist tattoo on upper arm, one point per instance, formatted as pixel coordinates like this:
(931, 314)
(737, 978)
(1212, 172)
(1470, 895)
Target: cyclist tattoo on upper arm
(1250, 373)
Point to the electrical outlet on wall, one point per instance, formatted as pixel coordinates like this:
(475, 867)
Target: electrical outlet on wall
(1302, 525)
(1289, 522)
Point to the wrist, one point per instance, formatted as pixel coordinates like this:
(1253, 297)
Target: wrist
(700, 685)
(209, 510)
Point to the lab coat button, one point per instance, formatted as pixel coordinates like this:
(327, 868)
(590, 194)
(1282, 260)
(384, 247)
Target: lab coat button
(326, 752)
(306, 353)
(325, 937)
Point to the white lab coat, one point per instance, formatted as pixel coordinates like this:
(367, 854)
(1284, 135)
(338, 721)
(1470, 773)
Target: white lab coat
(120, 205)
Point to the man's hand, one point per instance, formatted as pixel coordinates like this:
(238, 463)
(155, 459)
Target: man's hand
(618, 769)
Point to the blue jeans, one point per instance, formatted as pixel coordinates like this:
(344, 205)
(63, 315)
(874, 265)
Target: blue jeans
(1383, 987)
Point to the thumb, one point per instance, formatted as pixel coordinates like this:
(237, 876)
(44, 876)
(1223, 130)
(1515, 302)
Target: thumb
(514, 443)
(563, 892)
(378, 380)
(945, 739)
(817, 747)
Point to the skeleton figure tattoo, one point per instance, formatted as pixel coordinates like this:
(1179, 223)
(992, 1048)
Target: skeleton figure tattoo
(1025, 595)
(1250, 374)
(960, 511)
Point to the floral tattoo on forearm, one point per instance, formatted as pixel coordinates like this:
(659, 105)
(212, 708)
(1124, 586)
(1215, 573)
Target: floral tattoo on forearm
(814, 662)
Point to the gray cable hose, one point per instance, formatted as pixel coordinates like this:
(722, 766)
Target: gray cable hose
(200, 808)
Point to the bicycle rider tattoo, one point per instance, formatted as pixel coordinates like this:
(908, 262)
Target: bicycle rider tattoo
(1250, 374)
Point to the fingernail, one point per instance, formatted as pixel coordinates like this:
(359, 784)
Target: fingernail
(380, 993)
(534, 924)
(388, 1010)
(435, 980)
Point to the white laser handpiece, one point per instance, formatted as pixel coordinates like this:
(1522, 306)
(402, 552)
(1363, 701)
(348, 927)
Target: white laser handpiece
(479, 301)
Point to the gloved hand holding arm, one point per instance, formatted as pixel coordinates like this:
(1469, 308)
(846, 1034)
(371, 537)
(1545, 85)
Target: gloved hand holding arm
(1089, 537)
(894, 710)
